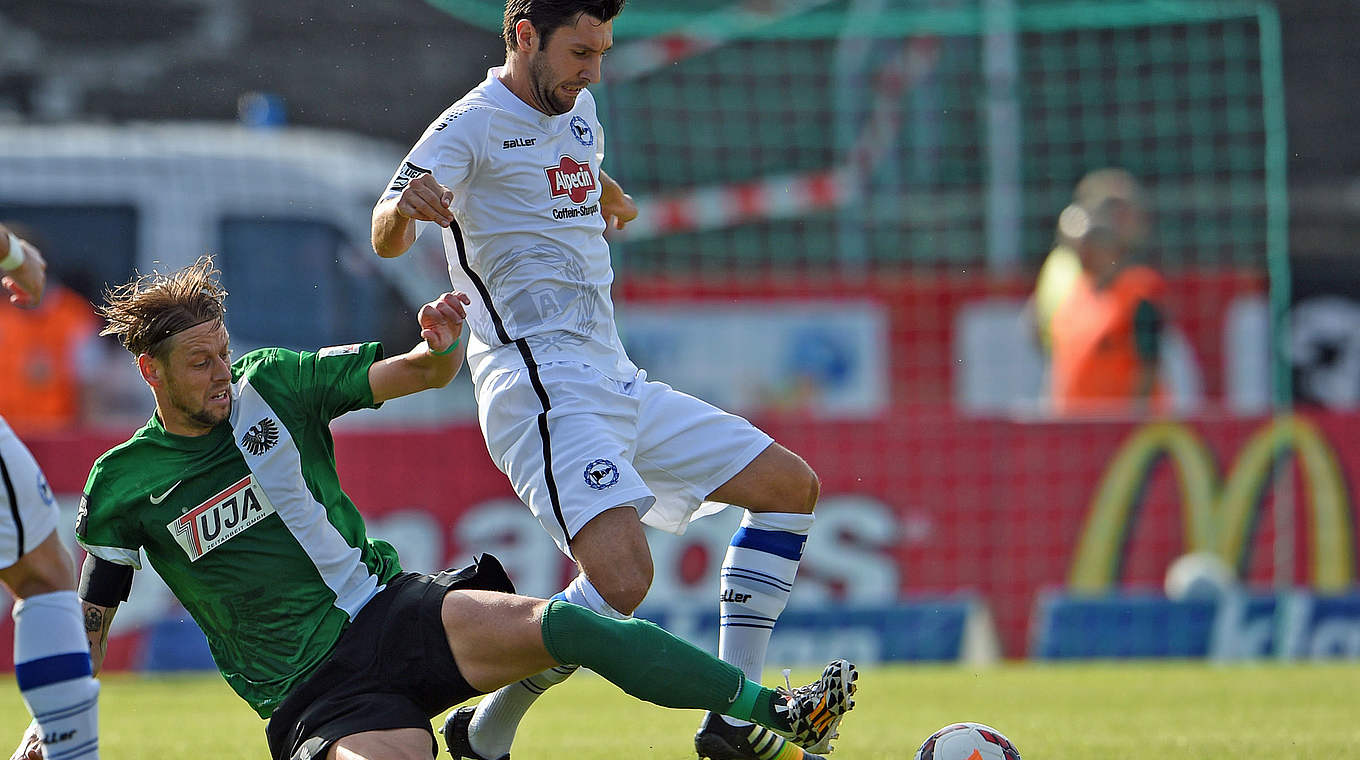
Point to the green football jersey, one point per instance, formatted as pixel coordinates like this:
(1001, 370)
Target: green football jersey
(247, 525)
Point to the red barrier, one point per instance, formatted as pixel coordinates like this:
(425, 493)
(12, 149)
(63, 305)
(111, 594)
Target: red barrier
(919, 500)
(922, 308)
(981, 504)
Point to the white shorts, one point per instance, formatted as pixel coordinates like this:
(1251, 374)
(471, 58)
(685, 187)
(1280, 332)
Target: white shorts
(28, 510)
(611, 443)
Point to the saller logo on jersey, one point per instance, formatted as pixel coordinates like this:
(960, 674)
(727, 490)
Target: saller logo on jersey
(570, 179)
(220, 518)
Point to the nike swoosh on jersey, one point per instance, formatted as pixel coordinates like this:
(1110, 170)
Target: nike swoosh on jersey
(158, 499)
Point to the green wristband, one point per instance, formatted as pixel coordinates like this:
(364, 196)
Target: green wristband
(446, 351)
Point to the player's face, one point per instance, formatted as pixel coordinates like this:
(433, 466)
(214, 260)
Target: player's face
(195, 393)
(569, 62)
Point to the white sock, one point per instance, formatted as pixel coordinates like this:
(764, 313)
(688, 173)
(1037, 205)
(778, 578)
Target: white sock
(52, 666)
(493, 725)
(757, 576)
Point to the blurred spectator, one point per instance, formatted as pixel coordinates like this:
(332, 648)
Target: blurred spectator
(57, 372)
(1105, 327)
(1062, 266)
(46, 357)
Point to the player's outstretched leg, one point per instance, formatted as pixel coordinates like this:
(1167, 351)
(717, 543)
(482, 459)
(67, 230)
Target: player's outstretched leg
(651, 664)
(485, 731)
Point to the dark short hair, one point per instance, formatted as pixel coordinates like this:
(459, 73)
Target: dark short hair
(548, 16)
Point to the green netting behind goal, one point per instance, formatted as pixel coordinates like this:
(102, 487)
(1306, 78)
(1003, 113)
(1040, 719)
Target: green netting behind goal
(945, 134)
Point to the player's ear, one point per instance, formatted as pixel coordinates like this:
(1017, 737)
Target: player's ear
(150, 369)
(525, 35)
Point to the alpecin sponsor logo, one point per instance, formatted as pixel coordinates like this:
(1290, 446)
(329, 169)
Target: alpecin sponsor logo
(221, 518)
(261, 437)
(570, 179)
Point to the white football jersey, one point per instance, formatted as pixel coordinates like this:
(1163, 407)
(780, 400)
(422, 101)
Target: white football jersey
(528, 243)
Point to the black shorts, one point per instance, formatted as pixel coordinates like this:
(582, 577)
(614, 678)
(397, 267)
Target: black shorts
(391, 668)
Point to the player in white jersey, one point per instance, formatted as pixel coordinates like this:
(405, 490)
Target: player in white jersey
(512, 173)
(51, 660)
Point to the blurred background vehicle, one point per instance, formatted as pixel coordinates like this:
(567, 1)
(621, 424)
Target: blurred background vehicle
(285, 209)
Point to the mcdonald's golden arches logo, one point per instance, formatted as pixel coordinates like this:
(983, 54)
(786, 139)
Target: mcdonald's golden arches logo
(1218, 516)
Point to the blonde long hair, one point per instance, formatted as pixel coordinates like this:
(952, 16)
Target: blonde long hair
(143, 312)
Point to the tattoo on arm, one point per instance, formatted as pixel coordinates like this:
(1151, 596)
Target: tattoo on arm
(97, 622)
(94, 619)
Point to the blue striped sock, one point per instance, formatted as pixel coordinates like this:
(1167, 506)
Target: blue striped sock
(757, 576)
(52, 666)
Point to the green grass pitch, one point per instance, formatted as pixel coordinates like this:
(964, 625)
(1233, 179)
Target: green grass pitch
(1108, 711)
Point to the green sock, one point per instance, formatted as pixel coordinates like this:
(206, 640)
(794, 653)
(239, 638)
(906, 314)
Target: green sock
(756, 704)
(764, 713)
(652, 664)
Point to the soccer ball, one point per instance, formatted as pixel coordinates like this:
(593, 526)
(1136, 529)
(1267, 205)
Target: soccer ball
(967, 741)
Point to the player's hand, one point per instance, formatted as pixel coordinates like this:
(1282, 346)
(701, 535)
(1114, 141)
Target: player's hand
(25, 284)
(426, 200)
(616, 206)
(618, 210)
(30, 747)
(441, 320)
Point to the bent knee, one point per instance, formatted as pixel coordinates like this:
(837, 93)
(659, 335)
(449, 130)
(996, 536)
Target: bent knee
(801, 488)
(624, 588)
(814, 491)
(806, 490)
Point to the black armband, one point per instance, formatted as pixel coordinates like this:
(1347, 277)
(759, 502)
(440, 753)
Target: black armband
(104, 583)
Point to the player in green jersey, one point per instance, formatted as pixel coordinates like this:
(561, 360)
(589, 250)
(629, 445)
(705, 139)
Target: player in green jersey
(231, 491)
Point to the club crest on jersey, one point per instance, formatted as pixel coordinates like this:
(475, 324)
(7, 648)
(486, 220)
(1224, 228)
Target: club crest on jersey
(601, 474)
(45, 490)
(221, 518)
(261, 436)
(582, 131)
(570, 179)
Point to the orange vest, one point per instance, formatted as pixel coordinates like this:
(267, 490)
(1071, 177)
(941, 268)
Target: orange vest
(1095, 354)
(39, 385)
